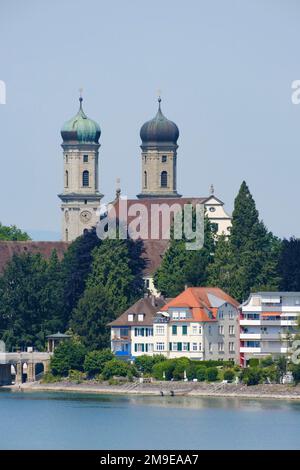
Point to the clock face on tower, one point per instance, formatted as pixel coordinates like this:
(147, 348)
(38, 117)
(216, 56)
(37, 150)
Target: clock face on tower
(85, 216)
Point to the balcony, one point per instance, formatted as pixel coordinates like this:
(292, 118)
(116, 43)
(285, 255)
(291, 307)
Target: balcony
(116, 337)
(248, 349)
(250, 336)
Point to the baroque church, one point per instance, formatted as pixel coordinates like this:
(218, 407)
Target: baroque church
(81, 196)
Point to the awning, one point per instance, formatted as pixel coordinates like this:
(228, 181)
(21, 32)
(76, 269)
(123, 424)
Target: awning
(271, 314)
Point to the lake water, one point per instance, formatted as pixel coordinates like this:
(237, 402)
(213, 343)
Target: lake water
(42, 420)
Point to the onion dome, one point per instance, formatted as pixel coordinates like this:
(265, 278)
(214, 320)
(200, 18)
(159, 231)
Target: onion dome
(159, 131)
(80, 128)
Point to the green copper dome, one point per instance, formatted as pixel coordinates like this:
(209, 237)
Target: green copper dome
(81, 129)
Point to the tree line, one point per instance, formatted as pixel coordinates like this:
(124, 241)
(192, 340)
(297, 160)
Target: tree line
(98, 279)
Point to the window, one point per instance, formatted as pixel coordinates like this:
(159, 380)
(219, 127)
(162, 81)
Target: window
(200, 330)
(130, 317)
(164, 179)
(231, 314)
(160, 346)
(145, 179)
(231, 347)
(194, 347)
(139, 347)
(182, 315)
(123, 332)
(194, 329)
(221, 329)
(231, 329)
(174, 329)
(140, 317)
(67, 235)
(174, 347)
(85, 158)
(66, 179)
(212, 209)
(85, 178)
(67, 159)
(200, 346)
(175, 315)
(164, 158)
(221, 315)
(221, 347)
(210, 347)
(184, 329)
(150, 347)
(185, 346)
(160, 330)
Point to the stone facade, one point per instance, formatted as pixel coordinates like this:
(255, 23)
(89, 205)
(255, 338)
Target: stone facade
(81, 196)
(155, 164)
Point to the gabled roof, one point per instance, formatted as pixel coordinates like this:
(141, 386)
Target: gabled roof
(202, 301)
(147, 306)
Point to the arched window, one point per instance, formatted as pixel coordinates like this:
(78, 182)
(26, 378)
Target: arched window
(145, 179)
(85, 178)
(164, 179)
(66, 179)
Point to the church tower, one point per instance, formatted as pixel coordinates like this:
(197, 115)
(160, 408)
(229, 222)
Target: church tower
(80, 197)
(159, 153)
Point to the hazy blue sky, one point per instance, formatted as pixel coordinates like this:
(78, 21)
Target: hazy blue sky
(225, 69)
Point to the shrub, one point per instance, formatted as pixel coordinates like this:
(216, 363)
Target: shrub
(201, 374)
(181, 365)
(229, 375)
(266, 361)
(212, 374)
(95, 361)
(162, 367)
(76, 376)
(49, 378)
(145, 363)
(117, 368)
(296, 372)
(252, 376)
(253, 362)
(67, 355)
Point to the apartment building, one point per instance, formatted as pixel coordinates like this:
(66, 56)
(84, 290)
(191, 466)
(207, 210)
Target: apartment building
(201, 323)
(268, 323)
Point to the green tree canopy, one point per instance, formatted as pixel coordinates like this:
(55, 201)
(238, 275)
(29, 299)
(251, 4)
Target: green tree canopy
(182, 267)
(76, 266)
(31, 300)
(68, 355)
(12, 233)
(248, 259)
(289, 265)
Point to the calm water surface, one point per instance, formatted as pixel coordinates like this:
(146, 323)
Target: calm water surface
(42, 420)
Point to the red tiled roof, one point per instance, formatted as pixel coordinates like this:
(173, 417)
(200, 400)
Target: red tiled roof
(8, 249)
(197, 299)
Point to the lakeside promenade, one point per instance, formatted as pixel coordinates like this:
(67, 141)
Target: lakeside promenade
(200, 389)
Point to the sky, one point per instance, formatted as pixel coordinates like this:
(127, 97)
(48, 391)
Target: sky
(224, 68)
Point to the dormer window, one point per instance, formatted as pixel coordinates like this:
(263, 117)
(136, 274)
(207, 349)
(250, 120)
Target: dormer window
(130, 317)
(182, 315)
(140, 317)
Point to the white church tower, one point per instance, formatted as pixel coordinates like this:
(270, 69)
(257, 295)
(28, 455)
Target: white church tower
(80, 197)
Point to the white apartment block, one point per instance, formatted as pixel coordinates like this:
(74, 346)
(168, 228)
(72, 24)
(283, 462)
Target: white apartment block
(268, 323)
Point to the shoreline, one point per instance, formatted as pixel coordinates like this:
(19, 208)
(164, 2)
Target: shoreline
(179, 389)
